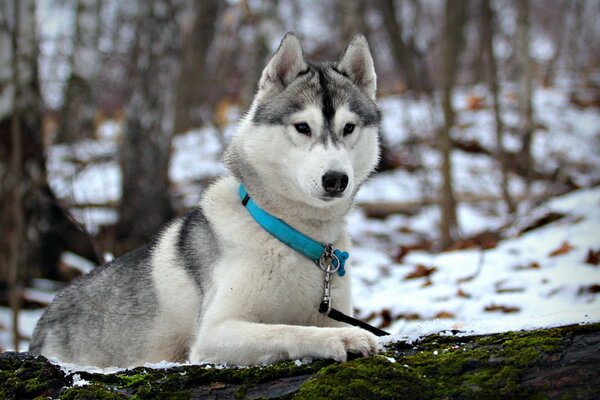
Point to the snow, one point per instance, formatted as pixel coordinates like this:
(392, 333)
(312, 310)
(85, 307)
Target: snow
(551, 293)
(519, 282)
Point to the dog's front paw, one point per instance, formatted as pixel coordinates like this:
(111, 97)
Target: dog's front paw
(353, 340)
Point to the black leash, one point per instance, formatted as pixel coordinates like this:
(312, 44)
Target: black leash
(340, 316)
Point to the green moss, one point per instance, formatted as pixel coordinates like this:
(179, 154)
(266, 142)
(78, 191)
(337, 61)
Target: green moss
(92, 392)
(369, 378)
(436, 367)
(444, 367)
(24, 376)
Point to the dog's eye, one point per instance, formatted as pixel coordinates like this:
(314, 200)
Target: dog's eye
(303, 128)
(348, 129)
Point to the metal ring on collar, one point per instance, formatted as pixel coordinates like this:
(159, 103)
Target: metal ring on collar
(330, 267)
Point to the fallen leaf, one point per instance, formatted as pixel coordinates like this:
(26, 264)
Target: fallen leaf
(484, 240)
(421, 271)
(475, 102)
(402, 252)
(463, 294)
(532, 265)
(444, 315)
(409, 316)
(564, 248)
(510, 290)
(545, 220)
(501, 308)
(593, 257)
(595, 288)
(386, 315)
(426, 283)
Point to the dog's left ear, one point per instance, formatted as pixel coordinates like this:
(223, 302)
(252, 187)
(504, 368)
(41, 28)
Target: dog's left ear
(285, 65)
(357, 63)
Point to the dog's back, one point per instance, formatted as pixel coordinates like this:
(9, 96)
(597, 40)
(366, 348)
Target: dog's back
(114, 316)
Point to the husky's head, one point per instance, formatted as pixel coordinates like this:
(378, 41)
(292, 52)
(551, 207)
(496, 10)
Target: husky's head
(312, 132)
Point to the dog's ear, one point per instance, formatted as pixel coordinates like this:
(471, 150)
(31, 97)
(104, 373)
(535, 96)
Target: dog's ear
(285, 65)
(357, 63)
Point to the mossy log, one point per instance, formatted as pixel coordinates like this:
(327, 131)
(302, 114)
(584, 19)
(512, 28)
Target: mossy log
(556, 363)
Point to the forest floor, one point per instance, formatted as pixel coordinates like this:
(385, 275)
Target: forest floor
(537, 268)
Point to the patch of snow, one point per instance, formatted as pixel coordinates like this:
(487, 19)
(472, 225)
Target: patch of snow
(74, 261)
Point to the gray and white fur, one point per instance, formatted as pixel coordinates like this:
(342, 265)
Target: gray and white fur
(213, 286)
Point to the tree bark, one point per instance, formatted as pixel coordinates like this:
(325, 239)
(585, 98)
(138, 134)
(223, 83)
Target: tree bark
(353, 19)
(45, 223)
(487, 38)
(525, 83)
(146, 149)
(198, 34)
(456, 16)
(77, 115)
(405, 55)
(548, 363)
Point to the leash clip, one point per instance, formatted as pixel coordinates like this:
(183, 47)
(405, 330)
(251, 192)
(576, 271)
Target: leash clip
(325, 306)
(329, 262)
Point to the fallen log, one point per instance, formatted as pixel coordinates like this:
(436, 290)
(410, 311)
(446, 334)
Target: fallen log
(551, 363)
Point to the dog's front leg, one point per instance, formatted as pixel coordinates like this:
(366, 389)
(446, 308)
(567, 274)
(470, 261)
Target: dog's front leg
(243, 343)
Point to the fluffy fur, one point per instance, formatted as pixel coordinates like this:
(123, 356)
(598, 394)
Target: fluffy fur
(214, 286)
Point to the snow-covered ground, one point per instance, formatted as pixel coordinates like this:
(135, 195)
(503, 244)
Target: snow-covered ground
(517, 284)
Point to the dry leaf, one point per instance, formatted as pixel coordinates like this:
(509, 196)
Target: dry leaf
(532, 265)
(444, 314)
(421, 271)
(463, 294)
(564, 248)
(409, 317)
(545, 220)
(402, 252)
(595, 288)
(475, 102)
(501, 308)
(593, 257)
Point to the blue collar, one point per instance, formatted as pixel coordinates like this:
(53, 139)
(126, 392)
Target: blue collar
(322, 255)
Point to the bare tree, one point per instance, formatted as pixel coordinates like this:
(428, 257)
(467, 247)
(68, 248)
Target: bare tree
(405, 52)
(526, 88)
(353, 19)
(453, 38)
(33, 226)
(77, 115)
(199, 29)
(487, 39)
(145, 152)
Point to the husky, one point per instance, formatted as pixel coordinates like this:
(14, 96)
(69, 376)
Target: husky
(214, 286)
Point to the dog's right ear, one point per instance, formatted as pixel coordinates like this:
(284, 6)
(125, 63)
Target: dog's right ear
(285, 65)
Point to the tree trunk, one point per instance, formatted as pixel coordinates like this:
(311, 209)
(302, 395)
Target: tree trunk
(548, 363)
(33, 226)
(146, 149)
(487, 38)
(456, 16)
(24, 192)
(198, 35)
(353, 19)
(406, 56)
(77, 115)
(525, 83)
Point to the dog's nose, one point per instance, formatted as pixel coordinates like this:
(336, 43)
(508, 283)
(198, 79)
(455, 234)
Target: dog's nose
(335, 183)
